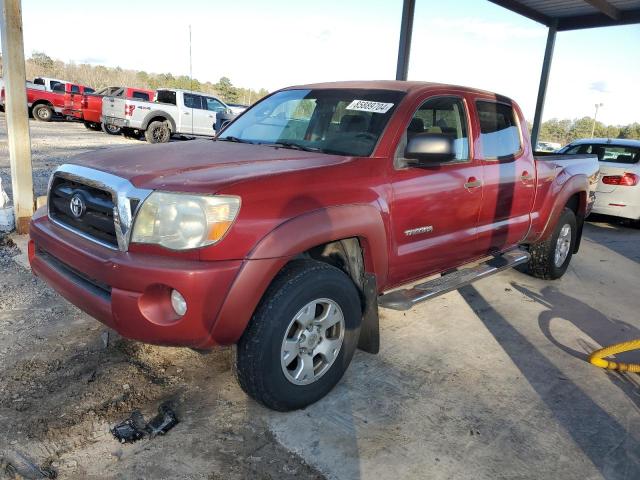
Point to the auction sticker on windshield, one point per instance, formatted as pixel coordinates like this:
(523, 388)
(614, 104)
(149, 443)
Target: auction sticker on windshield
(367, 106)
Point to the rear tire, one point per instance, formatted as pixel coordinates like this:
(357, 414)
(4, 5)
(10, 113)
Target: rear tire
(309, 317)
(157, 132)
(110, 129)
(550, 258)
(42, 113)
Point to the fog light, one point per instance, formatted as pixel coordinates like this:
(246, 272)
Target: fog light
(178, 302)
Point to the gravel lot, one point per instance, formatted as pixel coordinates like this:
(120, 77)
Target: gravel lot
(62, 388)
(488, 382)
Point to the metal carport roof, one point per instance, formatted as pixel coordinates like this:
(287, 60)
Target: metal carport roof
(557, 15)
(576, 14)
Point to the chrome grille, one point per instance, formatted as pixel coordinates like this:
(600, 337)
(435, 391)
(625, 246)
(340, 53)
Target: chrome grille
(96, 205)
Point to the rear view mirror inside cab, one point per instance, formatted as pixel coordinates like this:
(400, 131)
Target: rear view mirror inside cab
(429, 148)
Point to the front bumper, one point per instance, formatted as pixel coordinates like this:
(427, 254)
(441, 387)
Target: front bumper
(130, 292)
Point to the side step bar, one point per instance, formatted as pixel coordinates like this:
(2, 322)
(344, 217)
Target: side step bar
(407, 298)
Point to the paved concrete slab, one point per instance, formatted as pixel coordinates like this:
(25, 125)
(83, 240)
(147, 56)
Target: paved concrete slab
(492, 381)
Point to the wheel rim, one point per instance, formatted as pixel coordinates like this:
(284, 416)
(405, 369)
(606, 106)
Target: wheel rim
(113, 128)
(43, 113)
(312, 341)
(159, 134)
(563, 245)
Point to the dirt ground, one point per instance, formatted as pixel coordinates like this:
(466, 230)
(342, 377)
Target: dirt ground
(63, 384)
(488, 382)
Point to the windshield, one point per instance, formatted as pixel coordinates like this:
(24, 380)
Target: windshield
(336, 121)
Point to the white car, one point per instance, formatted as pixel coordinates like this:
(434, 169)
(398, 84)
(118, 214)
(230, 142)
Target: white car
(618, 192)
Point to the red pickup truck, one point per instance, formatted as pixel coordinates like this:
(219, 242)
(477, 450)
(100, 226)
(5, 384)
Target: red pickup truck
(45, 104)
(309, 211)
(87, 107)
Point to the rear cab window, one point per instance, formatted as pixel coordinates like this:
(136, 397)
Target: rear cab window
(141, 95)
(608, 153)
(166, 96)
(500, 137)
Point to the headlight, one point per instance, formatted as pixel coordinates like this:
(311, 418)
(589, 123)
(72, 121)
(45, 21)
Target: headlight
(180, 221)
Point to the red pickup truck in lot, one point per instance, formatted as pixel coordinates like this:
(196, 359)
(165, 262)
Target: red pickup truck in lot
(87, 107)
(44, 104)
(309, 211)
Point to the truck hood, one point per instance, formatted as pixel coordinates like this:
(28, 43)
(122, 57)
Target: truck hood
(201, 166)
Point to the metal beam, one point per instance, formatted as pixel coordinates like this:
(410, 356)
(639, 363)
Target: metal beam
(16, 113)
(525, 11)
(605, 7)
(544, 81)
(627, 17)
(406, 30)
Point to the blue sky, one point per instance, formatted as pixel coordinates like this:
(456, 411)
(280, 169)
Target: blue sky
(282, 42)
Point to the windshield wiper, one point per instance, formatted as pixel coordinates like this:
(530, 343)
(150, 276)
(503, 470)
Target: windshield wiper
(231, 138)
(293, 146)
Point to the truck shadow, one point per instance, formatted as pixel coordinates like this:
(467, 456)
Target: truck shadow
(595, 325)
(624, 239)
(589, 425)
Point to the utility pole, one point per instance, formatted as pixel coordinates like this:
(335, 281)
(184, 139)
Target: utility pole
(593, 127)
(16, 113)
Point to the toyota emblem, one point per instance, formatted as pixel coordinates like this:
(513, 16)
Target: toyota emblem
(77, 205)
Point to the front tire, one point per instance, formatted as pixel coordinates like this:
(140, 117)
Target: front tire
(550, 258)
(157, 132)
(301, 337)
(42, 113)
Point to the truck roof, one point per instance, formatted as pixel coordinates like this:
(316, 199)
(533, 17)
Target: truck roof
(398, 85)
(621, 142)
(186, 91)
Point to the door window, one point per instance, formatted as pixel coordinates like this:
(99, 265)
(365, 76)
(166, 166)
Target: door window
(214, 105)
(444, 116)
(75, 89)
(192, 101)
(499, 130)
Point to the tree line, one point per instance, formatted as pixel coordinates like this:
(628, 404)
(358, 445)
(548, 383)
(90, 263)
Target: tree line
(566, 131)
(39, 64)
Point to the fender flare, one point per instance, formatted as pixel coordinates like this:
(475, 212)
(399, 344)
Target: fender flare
(554, 204)
(284, 243)
(155, 114)
(43, 102)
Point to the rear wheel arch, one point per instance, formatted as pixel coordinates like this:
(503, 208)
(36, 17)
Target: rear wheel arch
(158, 117)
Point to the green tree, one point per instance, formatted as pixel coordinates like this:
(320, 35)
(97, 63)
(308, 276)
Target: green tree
(42, 60)
(227, 91)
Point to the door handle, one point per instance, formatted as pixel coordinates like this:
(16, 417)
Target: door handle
(526, 176)
(472, 182)
(187, 113)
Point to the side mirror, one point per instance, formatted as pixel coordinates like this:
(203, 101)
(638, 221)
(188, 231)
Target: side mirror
(428, 148)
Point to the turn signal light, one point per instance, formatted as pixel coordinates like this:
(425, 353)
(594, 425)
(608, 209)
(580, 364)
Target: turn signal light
(625, 180)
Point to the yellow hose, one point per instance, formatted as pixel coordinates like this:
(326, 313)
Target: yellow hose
(597, 357)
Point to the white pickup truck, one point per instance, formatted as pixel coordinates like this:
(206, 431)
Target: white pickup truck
(172, 112)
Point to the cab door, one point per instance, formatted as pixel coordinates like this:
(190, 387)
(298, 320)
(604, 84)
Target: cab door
(509, 174)
(434, 211)
(192, 104)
